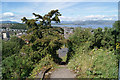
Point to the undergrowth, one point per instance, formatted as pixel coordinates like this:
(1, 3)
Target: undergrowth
(43, 65)
(97, 63)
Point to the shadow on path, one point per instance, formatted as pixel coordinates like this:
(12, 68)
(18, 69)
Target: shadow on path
(63, 63)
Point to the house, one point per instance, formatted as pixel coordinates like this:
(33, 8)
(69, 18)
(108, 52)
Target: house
(5, 35)
(20, 34)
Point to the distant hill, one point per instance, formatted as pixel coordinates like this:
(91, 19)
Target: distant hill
(8, 22)
(13, 25)
(16, 25)
(88, 22)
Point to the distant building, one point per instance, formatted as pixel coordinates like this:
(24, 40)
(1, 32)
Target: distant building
(5, 35)
(67, 32)
(20, 34)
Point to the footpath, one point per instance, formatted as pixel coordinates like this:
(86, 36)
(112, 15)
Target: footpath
(62, 72)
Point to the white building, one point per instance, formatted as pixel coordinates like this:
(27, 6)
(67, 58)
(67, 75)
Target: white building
(5, 35)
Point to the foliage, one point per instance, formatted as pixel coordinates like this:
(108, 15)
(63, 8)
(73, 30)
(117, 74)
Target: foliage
(17, 26)
(102, 38)
(94, 56)
(43, 64)
(44, 20)
(80, 36)
(87, 54)
(95, 64)
(97, 37)
(116, 26)
(116, 33)
(11, 47)
(17, 40)
(16, 66)
(44, 39)
(108, 39)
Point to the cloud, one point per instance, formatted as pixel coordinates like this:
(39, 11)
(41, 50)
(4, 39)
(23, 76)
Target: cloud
(101, 17)
(64, 18)
(89, 17)
(8, 14)
(42, 7)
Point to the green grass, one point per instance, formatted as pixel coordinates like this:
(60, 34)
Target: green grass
(94, 64)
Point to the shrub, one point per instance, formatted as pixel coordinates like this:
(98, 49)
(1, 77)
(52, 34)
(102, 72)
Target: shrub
(16, 66)
(43, 64)
(11, 47)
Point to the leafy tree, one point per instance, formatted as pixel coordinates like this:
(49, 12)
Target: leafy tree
(47, 18)
(44, 20)
(116, 33)
(116, 27)
(102, 38)
(96, 38)
(11, 47)
(44, 39)
(108, 40)
(80, 36)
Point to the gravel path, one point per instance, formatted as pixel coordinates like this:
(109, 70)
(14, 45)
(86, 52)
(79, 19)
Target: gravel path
(62, 72)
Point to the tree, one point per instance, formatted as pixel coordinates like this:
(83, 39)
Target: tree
(47, 18)
(116, 27)
(18, 41)
(44, 39)
(96, 38)
(12, 46)
(107, 41)
(44, 20)
(116, 33)
(80, 36)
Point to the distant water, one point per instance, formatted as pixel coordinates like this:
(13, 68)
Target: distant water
(86, 26)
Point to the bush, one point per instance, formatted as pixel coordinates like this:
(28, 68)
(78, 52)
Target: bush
(16, 66)
(11, 47)
(42, 65)
(80, 36)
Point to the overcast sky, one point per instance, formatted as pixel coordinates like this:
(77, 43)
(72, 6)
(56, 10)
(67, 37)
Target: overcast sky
(71, 11)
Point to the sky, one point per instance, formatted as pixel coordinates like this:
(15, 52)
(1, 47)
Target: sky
(71, 11)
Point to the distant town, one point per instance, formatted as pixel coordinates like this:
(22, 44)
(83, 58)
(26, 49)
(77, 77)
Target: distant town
(8, 31)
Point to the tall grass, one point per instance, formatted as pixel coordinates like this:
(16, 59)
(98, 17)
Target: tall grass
(97, 63)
